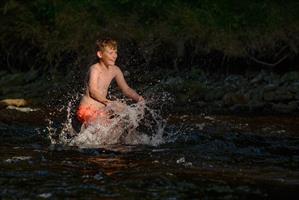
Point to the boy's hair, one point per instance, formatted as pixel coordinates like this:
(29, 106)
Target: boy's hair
(107, 42)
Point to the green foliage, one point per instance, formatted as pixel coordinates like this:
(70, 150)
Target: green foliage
(51, 34)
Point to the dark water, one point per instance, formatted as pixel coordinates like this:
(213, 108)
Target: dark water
(204, 157)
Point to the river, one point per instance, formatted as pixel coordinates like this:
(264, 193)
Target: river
(202, 157)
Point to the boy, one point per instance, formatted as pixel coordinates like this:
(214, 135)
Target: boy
(100, 75)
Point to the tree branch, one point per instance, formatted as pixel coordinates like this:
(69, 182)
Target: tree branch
(266, 63)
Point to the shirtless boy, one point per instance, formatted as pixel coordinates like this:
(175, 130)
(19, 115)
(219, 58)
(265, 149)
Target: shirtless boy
(94, 102)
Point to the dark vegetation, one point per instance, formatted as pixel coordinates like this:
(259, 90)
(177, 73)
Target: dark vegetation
(55, 37)
(46, 46)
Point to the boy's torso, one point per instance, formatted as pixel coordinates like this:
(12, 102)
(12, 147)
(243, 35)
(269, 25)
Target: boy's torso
(104, 78)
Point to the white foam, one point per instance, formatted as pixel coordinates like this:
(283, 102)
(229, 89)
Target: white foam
(123, 128)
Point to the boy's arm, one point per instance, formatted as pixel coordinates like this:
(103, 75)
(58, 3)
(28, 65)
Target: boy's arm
(122, 84)
(94, 91)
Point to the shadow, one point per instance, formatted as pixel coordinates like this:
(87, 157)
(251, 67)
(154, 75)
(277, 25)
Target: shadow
(76, 124)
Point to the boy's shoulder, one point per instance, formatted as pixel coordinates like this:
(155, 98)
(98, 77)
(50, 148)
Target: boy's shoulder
(94, 66)
(115, 68)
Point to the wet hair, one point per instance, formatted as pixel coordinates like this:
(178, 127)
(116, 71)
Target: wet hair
(106, 42)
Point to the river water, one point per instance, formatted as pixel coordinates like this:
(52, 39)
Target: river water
(193, 157)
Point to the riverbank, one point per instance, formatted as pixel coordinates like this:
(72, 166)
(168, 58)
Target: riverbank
(194, 93)
(256, 93)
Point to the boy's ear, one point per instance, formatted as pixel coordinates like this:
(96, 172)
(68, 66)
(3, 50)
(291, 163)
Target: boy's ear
(99, 54)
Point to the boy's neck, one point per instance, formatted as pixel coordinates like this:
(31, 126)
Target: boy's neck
(103, 65)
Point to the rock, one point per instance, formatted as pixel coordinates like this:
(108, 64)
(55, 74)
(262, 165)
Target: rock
(234, 79)
(256, 106)
(200, 104)
(255, 95)
(30, 76)
(193, 90)
(3, 73)
(280, 94)
(273, 78)
(270, 87)
(14, 102)
(294, 88)
(214, 94)
(285, 108)
(173, 81)
(290, 76)
(283, 94)
(239, 108)
(258, 78)
(181, 98)
(23, 109)
(13, 116)
(233, 98)
(269, 96)
(12, 91)
(12, 79)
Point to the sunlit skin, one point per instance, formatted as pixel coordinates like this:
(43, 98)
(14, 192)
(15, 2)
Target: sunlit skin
(100, 76)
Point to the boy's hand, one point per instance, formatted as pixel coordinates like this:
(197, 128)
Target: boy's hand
(140, 99)
(107, 102)
(116, 106)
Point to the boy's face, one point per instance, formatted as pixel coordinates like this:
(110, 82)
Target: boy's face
(108, 56)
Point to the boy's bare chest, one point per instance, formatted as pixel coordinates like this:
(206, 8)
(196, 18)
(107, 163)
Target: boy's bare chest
(105, 78)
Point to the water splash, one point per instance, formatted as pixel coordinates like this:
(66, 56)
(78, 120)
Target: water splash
(135, 124)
